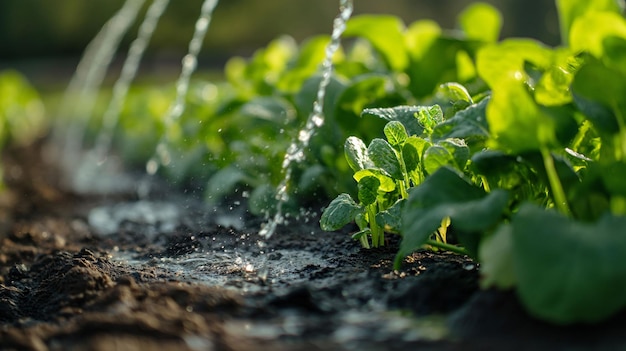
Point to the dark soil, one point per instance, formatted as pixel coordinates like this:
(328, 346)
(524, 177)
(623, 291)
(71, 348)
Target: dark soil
(115, 272)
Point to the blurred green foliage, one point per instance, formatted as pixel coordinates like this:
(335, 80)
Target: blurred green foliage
(35, 28)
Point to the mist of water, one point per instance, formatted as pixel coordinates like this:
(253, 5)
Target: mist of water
(295, 152)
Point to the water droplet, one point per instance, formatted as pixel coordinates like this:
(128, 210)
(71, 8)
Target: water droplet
(295, 152)
(318, 120)
(152, 166)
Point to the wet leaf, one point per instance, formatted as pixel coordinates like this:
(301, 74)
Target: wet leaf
(384, 157)
(356, 154)
(395, 133)
(404, 114)
(341, 211)
(368, 190)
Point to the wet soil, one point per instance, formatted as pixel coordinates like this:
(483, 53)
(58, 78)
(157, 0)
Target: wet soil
(167, 272)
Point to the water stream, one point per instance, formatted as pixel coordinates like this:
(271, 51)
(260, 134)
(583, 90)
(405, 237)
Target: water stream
(129, 70)
(295, 152)
(80, 96)
(189, 64)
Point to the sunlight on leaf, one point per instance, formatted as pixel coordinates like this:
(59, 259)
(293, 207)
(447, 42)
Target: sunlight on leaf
(386, 35)
(481, 21)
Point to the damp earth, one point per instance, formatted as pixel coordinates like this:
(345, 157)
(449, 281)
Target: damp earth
(104, 271)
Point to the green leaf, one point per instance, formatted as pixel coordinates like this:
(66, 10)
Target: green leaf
(553, 87)
(452, 97)
(271, 109)
(390, 219)
(447, 194)
(436, 157)
(386, 35)
(368, 190)
(599, 114)
(307, 94)
(571, 10)
(404, 114)
(597, 90)
(310, 56)
(420, 36)
(420, 144)
(395, 133)
(449, 152)
(495, 254)
(615, 53)
(363, 91)
(435, 57)
(410, 156)
(604, 24)
(387, 184)
(469, 124)
(481, 21)
(504, 63)
(458, 149)
(429, 117)
(341, 211)
(516, 122)
(569, 271)
(22, 113)
(356, 154)
(384, 157)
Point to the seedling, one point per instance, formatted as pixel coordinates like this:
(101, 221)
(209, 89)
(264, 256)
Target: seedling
(386, 170)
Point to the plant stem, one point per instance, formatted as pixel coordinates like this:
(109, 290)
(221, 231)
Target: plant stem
(447, 247)
(364, 241)
(555, 182)
(485, 184)
(371, 216)
(621, 135)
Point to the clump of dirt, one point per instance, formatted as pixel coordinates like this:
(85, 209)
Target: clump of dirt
(85, 272)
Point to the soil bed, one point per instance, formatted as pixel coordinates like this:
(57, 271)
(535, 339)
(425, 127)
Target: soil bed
(111, 271)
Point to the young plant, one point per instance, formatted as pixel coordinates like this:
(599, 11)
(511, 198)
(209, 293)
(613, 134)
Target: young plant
(386, 170)
(382, 174)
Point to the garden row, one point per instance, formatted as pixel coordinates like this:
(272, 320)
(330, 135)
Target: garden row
(509, 151)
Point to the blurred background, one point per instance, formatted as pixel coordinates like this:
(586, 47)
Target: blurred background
(44, 39)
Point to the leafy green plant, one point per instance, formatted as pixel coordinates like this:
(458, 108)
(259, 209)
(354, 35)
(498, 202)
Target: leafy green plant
(386, 169)
(227, 140)
(536, 194)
